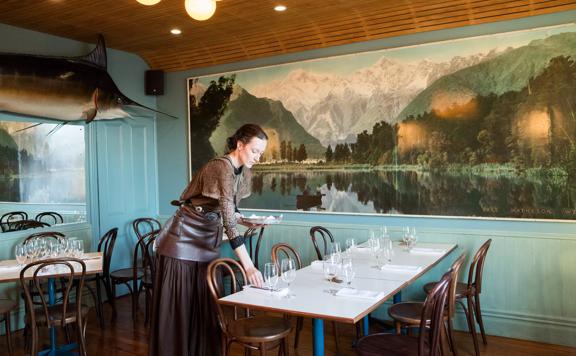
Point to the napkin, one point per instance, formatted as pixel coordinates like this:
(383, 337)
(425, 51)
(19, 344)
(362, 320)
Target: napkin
(279, 292)
(401, 268)
(359, 293)
(91, 256)
(428, 250)
(9, 266)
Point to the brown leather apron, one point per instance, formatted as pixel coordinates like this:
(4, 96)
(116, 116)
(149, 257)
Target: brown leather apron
(190, 235)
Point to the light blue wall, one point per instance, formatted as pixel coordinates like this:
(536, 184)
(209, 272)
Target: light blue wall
(124, 150)
(529, 277)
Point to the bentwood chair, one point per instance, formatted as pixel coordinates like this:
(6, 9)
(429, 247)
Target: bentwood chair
(143, 226)
(148, 266)
(253, 333)
(326, 236)
(63, 313)
(106, 246)
(280, 251)
(26, 224)
(8, 219)
(51, 217)
(6, 307)
(471, 292)
(408, 314)
(428, 342)
(133, 275)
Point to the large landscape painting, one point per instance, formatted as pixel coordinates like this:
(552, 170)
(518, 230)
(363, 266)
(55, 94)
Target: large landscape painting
(484, 126)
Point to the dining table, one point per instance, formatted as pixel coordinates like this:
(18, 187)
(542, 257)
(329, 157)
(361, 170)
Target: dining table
(314, 296)
(10, 272)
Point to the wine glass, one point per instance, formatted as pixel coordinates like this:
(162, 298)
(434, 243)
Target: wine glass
(335, 249)
(389, 248)
(375, 247)
(348, 274)
(21, 254)
(78, 248)
(270, 276)
(331, 266)
(288, 268)
(350, 245)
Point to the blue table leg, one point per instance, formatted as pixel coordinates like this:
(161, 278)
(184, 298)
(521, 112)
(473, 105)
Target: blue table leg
(52, 301)
(366, 325)
(318, 325)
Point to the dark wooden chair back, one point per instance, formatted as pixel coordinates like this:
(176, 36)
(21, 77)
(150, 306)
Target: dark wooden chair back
(45, 234)
(455, 268)
(7, 219)
(433, 311)
(144, 257)
(26, 224)
(142, 226)
(36, 288)
(106, 246)
(51, 217)
(226, 269)
(326, 236)
(477, 267)
(282, 250)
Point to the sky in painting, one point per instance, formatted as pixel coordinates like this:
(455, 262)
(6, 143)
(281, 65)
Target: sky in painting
(443, 51)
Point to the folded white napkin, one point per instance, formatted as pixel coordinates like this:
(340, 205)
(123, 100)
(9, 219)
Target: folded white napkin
(279, 292)
(359, 293)
(91, 256)
(9, 266)
(401, 268)
(428, 250)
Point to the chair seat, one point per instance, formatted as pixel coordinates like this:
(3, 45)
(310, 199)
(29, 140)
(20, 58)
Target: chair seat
(126, 274)
(259, 329)
(389, 345)
(56, 312)
(7, 305)
(406, 313)
(461, 289)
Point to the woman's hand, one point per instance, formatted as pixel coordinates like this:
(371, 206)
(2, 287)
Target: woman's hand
(254, 277)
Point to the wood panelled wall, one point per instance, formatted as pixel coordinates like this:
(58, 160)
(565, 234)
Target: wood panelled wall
(249, 29)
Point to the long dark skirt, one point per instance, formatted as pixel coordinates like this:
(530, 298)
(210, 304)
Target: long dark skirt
(184, 316)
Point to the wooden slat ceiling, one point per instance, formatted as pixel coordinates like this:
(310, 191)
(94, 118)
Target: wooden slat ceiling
(249, 29)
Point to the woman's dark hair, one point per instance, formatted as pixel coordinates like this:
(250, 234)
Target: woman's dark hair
(245, 134)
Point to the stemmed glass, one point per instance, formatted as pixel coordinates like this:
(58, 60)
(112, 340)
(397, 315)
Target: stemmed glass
(388, 246)
(335, 250)
(21, 254)
(288, 268)
(270, 276)
(331, 271)
(348, 273)
(409, 238)
(350, 246)
(375, 247)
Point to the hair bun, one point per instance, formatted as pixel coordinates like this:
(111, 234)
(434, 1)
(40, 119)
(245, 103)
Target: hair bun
(231, 143)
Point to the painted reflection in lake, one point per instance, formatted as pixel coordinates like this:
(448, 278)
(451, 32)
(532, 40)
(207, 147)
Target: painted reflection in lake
(413, 193)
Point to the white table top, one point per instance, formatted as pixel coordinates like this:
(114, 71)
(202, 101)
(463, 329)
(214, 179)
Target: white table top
(10, 271)
(311, 299)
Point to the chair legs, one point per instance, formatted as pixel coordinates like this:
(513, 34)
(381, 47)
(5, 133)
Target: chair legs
(450, 332)
(8, 333)
(478, 314)
(469, 313)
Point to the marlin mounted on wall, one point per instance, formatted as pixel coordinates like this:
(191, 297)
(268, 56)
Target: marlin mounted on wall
(64, 89)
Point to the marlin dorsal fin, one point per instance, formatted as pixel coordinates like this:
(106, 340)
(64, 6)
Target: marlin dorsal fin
(98, 54)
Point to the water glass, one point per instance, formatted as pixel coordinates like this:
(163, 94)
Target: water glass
(78, 248)
(350, 245)
(288, 269)
(331, 270)
(348, 274)
(388, 246)
(270, 276)
(21, 254)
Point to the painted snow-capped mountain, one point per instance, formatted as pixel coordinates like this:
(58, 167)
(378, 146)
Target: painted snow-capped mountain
(334, 108)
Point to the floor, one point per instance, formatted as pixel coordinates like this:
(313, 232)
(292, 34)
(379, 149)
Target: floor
(125, 337)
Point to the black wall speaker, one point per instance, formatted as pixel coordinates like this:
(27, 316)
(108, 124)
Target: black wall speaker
(154, 82)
